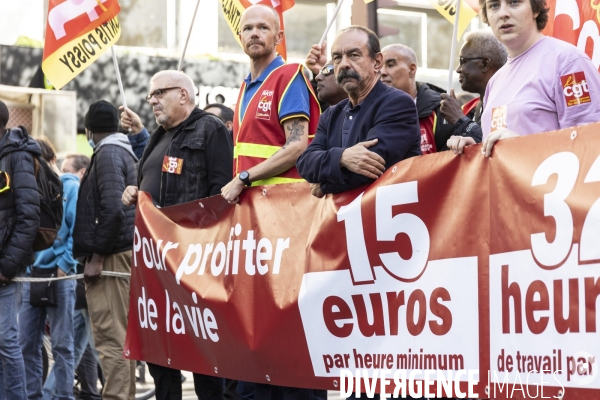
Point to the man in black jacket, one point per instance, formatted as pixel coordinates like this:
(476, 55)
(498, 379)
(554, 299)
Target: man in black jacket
(200, 153)
(19, 223)
(103, 239)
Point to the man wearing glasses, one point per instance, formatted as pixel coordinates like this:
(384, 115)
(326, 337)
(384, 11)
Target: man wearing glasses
(481, 57)
(189, 157)
(399, 70)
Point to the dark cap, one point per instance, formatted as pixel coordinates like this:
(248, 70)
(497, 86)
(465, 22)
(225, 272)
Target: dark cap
(102, 117)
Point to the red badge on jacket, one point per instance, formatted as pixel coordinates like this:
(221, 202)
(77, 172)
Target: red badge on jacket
(172, 165)
(575, 89)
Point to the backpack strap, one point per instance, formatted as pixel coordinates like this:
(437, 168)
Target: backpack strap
(7, 199)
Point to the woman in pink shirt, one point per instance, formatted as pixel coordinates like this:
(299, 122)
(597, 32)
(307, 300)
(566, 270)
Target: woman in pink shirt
(546, 84)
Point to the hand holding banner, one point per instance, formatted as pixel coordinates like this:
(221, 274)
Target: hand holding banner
(445, 263)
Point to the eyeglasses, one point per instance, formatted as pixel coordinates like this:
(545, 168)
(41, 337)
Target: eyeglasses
(4, 181)
(463, 60)
(158, 93)
(327, 70)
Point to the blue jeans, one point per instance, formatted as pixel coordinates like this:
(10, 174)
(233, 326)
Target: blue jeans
(32, 321)
(12, 368)
(82, 335)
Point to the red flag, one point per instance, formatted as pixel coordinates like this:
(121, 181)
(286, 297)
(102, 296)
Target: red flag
(576, 22)
(77, 33)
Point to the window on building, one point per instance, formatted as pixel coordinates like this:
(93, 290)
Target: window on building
(143, 23)
(415, 24)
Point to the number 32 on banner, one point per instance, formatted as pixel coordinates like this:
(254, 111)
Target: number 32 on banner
(388, 227)
(551, 254)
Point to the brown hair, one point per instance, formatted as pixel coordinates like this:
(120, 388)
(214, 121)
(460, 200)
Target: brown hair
(537, 6)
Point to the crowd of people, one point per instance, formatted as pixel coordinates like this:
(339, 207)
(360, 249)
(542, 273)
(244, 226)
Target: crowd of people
(363, 112)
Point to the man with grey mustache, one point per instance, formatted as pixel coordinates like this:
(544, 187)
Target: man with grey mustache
(360, 137)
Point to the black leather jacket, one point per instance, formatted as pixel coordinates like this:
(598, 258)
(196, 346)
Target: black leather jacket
(205, 145)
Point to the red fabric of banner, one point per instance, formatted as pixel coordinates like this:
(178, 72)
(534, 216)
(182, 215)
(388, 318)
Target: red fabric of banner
(445, 263)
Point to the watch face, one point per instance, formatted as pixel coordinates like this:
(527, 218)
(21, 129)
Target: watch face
(244, 175)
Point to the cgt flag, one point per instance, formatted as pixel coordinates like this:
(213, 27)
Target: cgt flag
(468, 11)
(233, 9)
(77, 33)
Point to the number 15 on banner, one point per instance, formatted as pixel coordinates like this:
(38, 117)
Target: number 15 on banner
(388, 227)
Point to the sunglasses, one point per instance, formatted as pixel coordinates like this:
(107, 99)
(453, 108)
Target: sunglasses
(327, 70)
(4, 181)
(158, 93)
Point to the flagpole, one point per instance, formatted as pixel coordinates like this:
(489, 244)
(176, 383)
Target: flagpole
(453, 46)
(335, 13)
(114, 57)
(188, 37)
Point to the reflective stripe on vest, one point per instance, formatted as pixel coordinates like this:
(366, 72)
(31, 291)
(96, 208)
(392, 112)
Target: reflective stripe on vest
(254, 150)
(277, 180)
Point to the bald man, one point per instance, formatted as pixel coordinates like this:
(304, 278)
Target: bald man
(276, 113)
(194, 172)
(400, 70)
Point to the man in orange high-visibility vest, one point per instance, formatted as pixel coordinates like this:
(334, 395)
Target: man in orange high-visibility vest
(276, 113)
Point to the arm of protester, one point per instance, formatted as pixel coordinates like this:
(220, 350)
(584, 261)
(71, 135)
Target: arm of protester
(218, 154)
(493, 137)
(316, 58)
(110, 177)
(296, 132)
(93, 268)
(139, 136)
(66, 263)
(457, 143)
(27, 210)
(130, 195)
(450, 107)
(398, 137)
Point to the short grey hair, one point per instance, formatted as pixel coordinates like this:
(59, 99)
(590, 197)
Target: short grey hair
(485, 44)
(178, 78)
(407, 52)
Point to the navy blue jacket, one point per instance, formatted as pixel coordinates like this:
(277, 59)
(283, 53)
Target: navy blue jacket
(386, 114)
(19, 218)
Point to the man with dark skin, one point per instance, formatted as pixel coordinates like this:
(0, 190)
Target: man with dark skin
(480, 57)
(328, 91)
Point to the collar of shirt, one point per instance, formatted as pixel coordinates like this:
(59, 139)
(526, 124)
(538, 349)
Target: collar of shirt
(277, 62)
(373, 94)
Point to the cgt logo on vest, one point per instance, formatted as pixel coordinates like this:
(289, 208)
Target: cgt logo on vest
(263, 110)
(575, 89)
(413, 308)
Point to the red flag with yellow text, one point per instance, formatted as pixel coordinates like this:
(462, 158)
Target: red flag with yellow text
(77, 33)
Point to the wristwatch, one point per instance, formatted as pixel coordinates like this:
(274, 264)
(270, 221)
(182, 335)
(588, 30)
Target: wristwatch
(245, 177)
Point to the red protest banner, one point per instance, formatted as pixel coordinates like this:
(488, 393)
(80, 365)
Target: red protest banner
(576, 22)
(486, 269)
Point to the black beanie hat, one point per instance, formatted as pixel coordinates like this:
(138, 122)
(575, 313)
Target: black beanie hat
(102, 117)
